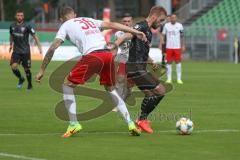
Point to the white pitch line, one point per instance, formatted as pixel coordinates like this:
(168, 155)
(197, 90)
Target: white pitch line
(18, 156)
(86, 133)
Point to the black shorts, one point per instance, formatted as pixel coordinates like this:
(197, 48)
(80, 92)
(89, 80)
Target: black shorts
(143, 79)
(24, 59)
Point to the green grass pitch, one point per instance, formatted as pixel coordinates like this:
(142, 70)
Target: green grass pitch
(211, 91)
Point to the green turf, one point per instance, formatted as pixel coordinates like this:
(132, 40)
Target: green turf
(29, 127)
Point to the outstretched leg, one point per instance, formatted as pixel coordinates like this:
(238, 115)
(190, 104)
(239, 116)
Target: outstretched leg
(121, 106)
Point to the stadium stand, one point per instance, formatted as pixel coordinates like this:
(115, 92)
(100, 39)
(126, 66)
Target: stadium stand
(225, 14)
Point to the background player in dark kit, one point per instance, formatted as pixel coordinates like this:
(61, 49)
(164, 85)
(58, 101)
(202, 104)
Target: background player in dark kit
(19, 42)
(137, 63)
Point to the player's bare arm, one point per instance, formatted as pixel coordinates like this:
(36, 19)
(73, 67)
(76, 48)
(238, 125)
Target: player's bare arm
(162, 40)
(36, 39)
(48, 58)
(124, 38)
(11, 43)
(182, 42)
(118, 26)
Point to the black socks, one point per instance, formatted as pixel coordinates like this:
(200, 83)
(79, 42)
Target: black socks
(29, 76)
(17, 73)
(148, 105)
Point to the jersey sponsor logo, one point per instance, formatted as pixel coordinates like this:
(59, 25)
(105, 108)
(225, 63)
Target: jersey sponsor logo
(18, 34)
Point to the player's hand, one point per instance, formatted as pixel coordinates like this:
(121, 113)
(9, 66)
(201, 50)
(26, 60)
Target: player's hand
(142, 36)
(155, 66)
(10, 48)
(39, 76)
(40, 50)
(183, 49)
(111, 46)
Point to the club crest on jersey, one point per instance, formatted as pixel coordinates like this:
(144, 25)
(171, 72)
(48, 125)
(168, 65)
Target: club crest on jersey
(136, 26)
(22, 29)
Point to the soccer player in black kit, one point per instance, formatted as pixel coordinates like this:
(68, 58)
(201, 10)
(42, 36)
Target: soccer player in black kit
(136, 66)
(19, 42)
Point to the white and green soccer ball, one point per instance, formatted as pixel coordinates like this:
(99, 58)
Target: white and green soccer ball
(184, 126)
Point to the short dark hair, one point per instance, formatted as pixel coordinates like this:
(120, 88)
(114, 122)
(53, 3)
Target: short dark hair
(19, 11)
(65, 11)
(126, 15)
(157, 10)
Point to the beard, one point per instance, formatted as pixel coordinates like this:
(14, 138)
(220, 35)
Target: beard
(19, 20)
(155, 25)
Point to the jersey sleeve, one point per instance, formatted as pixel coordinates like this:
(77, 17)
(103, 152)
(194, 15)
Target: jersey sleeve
(10, 30)
(31, 30)
(62, 33)
(181, 28)
(118, 34)
(138, 27)
(98, 23)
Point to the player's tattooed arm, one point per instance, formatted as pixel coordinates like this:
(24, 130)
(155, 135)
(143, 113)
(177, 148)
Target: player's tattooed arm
(48, 58)
(50, 53)
(162, 40)
(182, 41)
(120, 27)
(38, 43)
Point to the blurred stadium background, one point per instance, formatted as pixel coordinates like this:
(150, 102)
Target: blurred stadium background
(211, 26)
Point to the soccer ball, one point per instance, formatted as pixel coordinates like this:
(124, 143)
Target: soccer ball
(184, 126)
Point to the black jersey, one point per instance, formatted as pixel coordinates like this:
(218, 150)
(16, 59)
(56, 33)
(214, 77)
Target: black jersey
(20, 34)
(139, 49)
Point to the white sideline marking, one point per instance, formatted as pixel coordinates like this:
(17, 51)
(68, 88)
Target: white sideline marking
(18, 156)
(86, 133)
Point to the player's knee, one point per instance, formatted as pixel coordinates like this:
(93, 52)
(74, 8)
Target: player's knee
(108, 88)
(120, 78)
(177, 61)
(68, 83)
(160, 90)
(14, 66)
